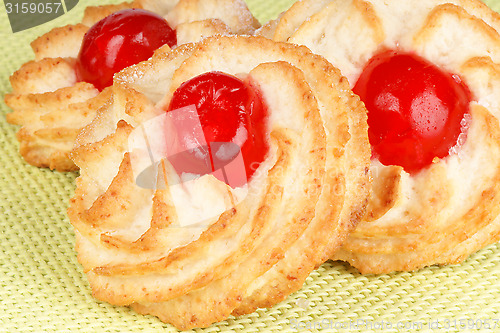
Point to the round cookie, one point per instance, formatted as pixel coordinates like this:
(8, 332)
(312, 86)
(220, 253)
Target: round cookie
(449, 209)
(297, 208)
(49, 103)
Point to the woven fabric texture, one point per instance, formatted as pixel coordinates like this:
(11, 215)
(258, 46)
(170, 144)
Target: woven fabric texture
(43, 288)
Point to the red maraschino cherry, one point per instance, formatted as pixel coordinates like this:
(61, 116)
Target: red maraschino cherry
(120, 40)
(415, 109)
(230, 110)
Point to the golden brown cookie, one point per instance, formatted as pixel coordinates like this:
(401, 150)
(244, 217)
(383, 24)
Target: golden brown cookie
(49, 103)
(297, 208)
(451, 208)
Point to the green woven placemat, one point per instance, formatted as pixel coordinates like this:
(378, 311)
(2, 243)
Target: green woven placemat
(43, 288)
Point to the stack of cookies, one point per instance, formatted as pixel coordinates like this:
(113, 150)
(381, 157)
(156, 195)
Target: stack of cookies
(221, 161)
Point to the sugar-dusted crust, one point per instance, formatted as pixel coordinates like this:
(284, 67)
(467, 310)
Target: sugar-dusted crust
(451, 209)
(304, 199)
(52, 107)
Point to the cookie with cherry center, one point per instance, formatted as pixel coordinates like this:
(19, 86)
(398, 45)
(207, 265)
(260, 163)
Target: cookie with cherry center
(58, 93)
(428, 73)
(252, 158)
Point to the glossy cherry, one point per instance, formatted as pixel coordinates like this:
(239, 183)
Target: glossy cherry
(415, 109)
(229, 110)
(120, 40)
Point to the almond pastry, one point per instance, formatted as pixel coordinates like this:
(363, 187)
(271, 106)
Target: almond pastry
(437, 211)
(146, 247)
(51, 104)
